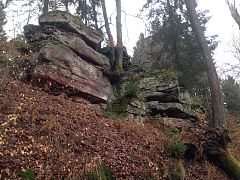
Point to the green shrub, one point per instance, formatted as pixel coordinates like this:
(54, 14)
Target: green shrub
(28, 174)
(117, 109)
(132, 89)
(115, 116)
(171, 132)
(176, 148)
(103, 174)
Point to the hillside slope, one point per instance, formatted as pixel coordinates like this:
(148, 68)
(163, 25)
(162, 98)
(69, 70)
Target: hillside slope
(61, 138)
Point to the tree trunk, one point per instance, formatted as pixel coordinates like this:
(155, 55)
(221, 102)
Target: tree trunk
(55, 5)
(66, 5)
(215, 144)
(85, 11)
(218, 120)
(119, 52)
(174, 36)
(45, 6)
(95, 14)
(109, 34)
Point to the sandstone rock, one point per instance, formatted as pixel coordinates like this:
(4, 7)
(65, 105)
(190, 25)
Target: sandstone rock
(35, 35)
(61, 65)
(160, 94)
(71, 23)
(136, 107)
(82, 49)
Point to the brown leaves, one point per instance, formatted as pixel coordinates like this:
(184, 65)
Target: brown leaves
(57, 137)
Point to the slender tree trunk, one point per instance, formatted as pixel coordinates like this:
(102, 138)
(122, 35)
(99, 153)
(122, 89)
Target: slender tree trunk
(66, 5)
(119, 53)
(85, 11)
(107, 26)
(174, 36)
(218, 120)
(95, 14)
(55, 5)
(216, 138)
(45, 6)
(109, 34)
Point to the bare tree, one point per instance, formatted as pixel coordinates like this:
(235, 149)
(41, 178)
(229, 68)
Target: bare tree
(45, 6)
(107, 26)
(85, 11)
(217, 139)
(234, 12)
(109, 34)
(218, 120)
(94, 14)
(119, 53)
(66, 2)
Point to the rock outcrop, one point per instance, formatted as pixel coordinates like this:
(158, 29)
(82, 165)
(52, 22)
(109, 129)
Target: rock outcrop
(158, 94)
(67, 58)
(70, 23)
(68, 61)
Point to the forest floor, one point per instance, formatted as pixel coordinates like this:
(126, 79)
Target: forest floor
(54, 137)
(234, 128)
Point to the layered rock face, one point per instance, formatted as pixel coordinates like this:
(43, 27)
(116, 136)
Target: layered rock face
(68, 61)
(158, 94)
(67, 58)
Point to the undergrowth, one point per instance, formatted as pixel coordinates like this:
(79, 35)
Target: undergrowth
(104, 174)
(173, 145)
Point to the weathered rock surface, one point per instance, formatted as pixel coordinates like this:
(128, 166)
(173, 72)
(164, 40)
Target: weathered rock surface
(159, 94)
(168, 109)
(63, 66)
(36, 34)
(71, 23)
(67, 60)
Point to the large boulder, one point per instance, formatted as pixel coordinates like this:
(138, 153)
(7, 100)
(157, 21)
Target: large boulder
(71, 23)
(60, 65)
(36, 34)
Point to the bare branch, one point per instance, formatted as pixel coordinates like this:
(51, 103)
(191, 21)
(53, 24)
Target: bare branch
(234, 12)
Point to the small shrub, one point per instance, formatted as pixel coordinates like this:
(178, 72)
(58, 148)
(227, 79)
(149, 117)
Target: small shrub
(176, 148)
(132, 89)
(104, 174)
(171, 132)
(28, 174)
(117, 109)
(115, 116)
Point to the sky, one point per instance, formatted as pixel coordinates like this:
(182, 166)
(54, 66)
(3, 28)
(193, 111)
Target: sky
(223, 25)
(220, 24)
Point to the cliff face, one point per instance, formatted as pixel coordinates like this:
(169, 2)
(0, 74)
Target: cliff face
(67, 59)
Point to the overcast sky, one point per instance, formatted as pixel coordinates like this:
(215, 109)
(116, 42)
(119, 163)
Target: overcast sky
(220, 24)
(224, 26)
